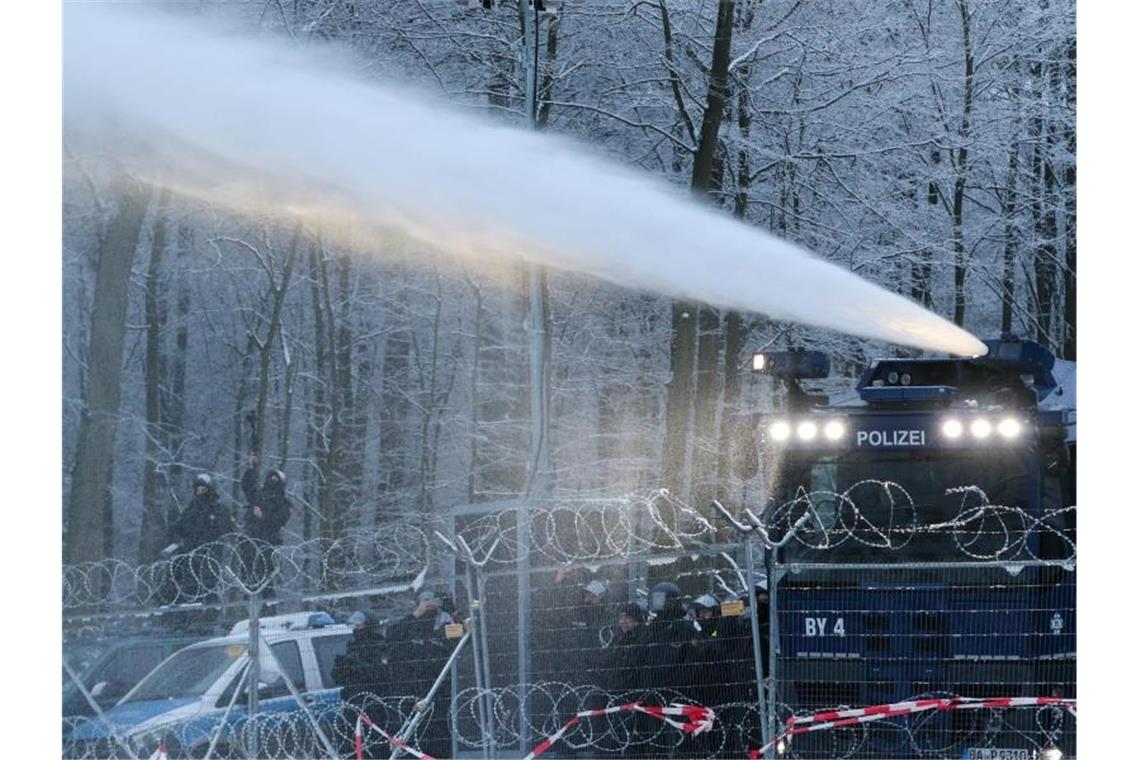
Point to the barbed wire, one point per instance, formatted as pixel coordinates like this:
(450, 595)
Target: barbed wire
(559, 532)
(889, 519)
(876, 514)
(736, 728)
(930, 733)
(213, 571)
(580, 531)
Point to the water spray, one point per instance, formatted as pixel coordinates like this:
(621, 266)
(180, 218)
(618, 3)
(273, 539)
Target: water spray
(266, 127)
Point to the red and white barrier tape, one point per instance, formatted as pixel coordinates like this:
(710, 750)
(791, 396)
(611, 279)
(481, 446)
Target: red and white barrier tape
(829, 719)
(691, 719)
(358, 737)
(160, 753)
(696, 720)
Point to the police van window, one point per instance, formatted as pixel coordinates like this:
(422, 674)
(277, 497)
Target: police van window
(327, 649)
(289, 658)
(129, 664)
(188, 673)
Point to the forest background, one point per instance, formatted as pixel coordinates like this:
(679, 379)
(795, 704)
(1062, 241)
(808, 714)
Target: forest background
(926, 145)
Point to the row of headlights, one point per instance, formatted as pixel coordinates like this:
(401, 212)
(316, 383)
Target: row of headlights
(952, 428)
(982, 428)
(807, 430)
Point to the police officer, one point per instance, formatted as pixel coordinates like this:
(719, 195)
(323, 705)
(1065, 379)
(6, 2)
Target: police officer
(267, 513)
(204, 519)
(269, 508)
(362, 672)
(419, 650)
(197, 556)
(624, 656)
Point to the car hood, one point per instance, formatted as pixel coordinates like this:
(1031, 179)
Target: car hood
(134, 716)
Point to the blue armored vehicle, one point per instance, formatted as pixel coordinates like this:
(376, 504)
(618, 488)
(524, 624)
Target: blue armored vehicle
(934, 548)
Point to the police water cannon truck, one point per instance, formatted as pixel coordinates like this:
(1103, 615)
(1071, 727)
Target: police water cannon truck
(938, 551)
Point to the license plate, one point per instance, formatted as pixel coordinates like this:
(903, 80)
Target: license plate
(995, 753)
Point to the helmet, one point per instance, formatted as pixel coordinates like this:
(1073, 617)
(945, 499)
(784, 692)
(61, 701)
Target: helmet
(708, 601)
(597, 588)
(362, 618)
(275, 474)
(204, 479)
(665, 596)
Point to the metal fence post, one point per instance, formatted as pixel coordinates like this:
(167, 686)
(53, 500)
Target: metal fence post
(775, 574)
(757, 651)
(254, 667)
(767, 712)
(423, 705)
(476, 592)
(484, 651)
(522, 526)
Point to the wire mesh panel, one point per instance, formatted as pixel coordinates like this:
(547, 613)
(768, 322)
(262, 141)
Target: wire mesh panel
(861, 635)
(594, 628)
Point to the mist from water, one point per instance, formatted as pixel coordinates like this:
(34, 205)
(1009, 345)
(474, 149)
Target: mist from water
(259, 125)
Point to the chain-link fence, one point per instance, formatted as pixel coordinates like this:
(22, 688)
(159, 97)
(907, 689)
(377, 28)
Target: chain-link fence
(580, 628)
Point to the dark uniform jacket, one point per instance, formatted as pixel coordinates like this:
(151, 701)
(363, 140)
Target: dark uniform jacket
(204, 520)
(363, 668)
(275, 508)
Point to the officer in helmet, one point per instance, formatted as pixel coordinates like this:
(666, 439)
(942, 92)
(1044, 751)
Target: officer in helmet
(669, 636)
(267, 512)
(419, 650)
(666, 663)
(705, 610)
(269, 508)
(363, 673)
(196, 548)
(204, 520)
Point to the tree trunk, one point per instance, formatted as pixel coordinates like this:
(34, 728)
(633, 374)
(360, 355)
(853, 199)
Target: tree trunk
(540, 480)
(960, 170)
(1044, 220)
(1069, 346)
(705, 406)
(316, 438)
(1009, 210)
(546, 90)
(151, 534)
(174, 400)
(735, 329)
(704, 161)
(679, 396)
(394, 409)
(91, 473)
(473, 391)
(277, 293)
(735, 337)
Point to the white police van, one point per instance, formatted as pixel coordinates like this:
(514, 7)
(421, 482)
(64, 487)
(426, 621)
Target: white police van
(185, 699)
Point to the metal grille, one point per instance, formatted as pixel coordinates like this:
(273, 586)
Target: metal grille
(871, 634)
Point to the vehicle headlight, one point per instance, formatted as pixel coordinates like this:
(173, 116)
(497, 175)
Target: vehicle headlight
(952, 428)
(807, 430)
(780, 431)
(834, 430)
(981, 428)
(1009, 428)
